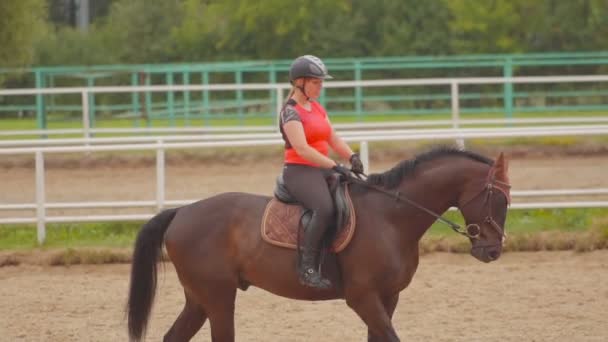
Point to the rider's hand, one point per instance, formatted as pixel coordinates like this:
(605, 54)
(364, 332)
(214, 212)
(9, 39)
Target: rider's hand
(342, 170)
(356, 166)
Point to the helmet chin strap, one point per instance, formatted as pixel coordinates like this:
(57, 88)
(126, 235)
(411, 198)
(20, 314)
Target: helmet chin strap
(303, 91)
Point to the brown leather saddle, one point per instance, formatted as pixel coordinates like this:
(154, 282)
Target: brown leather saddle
(284, 217)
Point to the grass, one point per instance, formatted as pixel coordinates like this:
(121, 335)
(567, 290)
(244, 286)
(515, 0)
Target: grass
(533, 230)
(110, 235)
(61, 121)
(537, 220)
(100, 243)
(68, 244)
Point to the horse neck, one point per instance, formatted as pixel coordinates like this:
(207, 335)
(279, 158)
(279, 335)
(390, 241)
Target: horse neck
(436, 186)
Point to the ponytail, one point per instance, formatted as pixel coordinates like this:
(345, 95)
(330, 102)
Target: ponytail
(291, 92)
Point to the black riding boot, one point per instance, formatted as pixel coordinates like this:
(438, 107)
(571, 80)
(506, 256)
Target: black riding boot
(309, 265)
(309, 270)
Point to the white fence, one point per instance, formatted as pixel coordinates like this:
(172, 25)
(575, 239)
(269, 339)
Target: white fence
(41, 205)
(362, 133)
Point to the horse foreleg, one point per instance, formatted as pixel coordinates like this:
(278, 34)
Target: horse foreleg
(389, 305)
(188, 323)
(373, 312)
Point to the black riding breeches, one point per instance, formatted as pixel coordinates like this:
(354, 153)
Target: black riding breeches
(308, 185)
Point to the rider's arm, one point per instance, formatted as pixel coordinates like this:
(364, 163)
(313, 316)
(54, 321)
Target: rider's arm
(295, 133)
(340, 146)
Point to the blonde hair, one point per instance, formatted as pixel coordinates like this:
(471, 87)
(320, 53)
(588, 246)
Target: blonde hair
(291, 92)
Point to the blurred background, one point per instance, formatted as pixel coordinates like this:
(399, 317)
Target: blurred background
(92, 32)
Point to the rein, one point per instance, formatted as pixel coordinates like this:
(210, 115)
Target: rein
(472, 230)
(398, 196)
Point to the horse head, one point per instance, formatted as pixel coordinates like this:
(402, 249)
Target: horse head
(483, 204)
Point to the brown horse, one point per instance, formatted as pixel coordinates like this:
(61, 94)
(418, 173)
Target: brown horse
(216, 246)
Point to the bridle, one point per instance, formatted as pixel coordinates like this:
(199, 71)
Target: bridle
(490, 187)
(472, 230)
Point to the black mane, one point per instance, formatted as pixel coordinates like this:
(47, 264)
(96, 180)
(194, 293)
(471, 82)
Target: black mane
(393, 177)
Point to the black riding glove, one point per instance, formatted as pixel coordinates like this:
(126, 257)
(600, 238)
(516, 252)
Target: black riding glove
(341, 170)
(356, 166)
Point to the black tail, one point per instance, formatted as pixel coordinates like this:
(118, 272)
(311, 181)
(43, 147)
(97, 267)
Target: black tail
(148, 248)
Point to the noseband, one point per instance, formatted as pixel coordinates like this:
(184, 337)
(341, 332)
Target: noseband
(472, 230)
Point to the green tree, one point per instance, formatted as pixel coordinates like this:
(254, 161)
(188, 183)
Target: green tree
(262, 29)
(574, 25)
(367, 18)
(160, 31)
(22, 23)
(142, 30)
(64, 12)
(493, 26)
(598, 25)
(412, 27)
(510, 26)
(197, 37)
(70, 46)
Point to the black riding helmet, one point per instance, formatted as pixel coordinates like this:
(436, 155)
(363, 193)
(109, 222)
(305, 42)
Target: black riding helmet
(308, 66)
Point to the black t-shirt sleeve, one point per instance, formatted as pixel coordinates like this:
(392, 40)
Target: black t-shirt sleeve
(290, 114)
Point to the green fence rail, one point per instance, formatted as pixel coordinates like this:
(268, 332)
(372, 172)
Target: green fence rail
(201, 108)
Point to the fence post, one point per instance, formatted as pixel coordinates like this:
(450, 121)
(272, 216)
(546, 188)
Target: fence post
(364, 154)
(40, 106)
(272, 78)
(86, 123)
(279, 105)
(148, 97)
(170, 99)
(508, 91)
(186, 94)
(456, 111)
(160, 175)
(206, 104)
(91, 110)
(358, 93)
(40, 198)
(135, 95)
(238, 78)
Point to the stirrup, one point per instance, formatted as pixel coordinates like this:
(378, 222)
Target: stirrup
(312, 278)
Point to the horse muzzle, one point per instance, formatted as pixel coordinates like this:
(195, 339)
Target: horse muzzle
(486, 253)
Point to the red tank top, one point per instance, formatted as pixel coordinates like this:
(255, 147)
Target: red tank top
(317, 130)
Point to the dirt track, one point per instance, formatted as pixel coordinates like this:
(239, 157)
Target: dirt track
(545, 296)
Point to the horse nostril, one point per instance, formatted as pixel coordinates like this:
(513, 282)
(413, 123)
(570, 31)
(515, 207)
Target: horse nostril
(493, 255)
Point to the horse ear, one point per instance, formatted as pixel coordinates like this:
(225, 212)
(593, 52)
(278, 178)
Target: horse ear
(501, 165)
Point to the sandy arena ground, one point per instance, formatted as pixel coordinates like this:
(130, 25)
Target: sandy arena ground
(545, 296)
(522, 297)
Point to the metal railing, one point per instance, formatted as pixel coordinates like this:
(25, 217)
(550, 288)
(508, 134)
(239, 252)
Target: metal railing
(271, 71)
(280, 89)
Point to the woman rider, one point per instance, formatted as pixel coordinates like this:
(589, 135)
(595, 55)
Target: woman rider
(308, 135)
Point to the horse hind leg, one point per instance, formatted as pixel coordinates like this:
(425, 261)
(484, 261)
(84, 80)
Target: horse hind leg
(216, 303)
(220, 308)
(188, 323)
(217, 298)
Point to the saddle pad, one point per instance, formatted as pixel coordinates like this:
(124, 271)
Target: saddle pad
(281, 221)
